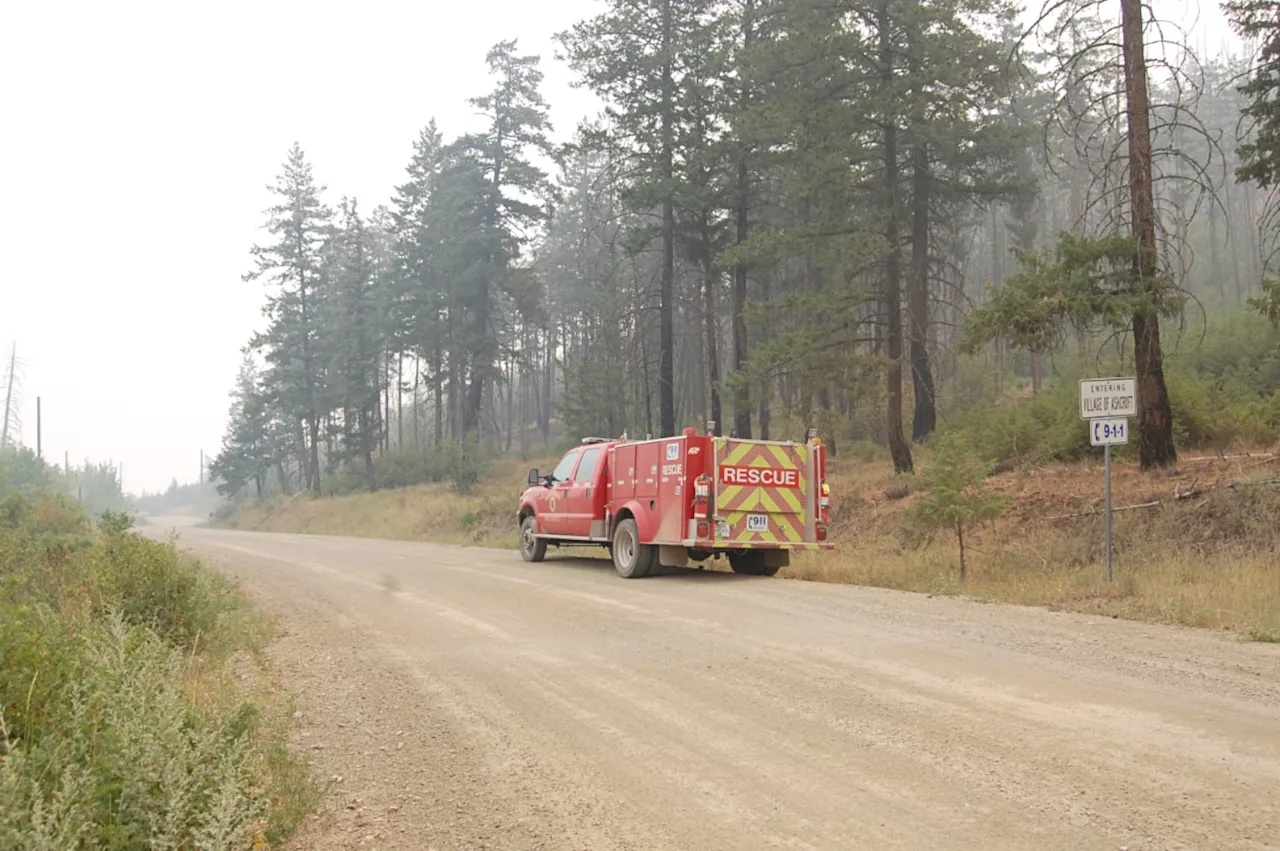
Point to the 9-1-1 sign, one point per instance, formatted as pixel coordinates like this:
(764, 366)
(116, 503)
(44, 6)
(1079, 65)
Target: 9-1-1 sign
(1108, 403)
(1111, 432)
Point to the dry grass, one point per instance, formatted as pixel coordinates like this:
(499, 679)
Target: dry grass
(417, 513)
(1212, 561)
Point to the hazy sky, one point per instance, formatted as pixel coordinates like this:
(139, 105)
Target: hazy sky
(136, 140)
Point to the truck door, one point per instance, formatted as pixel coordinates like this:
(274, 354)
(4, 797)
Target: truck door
(580, 497)
(554, 518)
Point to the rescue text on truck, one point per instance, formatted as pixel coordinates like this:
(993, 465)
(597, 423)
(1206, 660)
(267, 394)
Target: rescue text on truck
(666, 502)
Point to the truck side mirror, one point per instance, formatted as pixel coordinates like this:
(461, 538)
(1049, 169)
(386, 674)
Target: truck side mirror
(534, 478)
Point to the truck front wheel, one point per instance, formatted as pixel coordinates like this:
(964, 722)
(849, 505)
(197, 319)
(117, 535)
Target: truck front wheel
(632, 559)
(532, 548)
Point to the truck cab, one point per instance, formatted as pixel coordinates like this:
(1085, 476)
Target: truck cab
(568, 504)
(661, 503)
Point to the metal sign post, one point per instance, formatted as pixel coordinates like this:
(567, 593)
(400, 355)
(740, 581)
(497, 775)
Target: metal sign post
(1107, 403)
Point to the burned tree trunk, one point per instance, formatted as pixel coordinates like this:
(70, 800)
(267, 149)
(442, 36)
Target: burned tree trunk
(1155, 419)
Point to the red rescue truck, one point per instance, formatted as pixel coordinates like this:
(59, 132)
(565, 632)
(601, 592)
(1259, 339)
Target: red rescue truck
(661, 503)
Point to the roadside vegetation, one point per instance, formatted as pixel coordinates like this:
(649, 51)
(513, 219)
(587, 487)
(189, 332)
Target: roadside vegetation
(135, 707)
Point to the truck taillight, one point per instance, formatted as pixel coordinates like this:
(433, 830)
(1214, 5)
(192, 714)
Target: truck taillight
(824, 506)
(825, 499)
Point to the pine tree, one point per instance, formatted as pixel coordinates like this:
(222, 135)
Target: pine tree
(511, 200)
(953, 500)
(1260, 20)
(420, 320)
(246, 454)
(635, 56)
(353, 343)
(291, 267)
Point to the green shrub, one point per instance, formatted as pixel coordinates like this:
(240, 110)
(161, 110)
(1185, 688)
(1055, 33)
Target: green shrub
(460, 463)
(100, 745)
(125, 762)
(1044, 428)
(154, 585)
(1216, 412)
(38, 658)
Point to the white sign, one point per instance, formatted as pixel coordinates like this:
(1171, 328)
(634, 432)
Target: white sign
(673, 451)
(1108, 397)
(1109, 432)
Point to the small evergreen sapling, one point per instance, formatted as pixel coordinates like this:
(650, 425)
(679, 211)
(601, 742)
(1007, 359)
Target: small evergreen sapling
(953, 499)
(1268, 304)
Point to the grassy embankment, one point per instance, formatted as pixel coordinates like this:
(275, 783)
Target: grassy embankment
(1212, 560)
(136, 707)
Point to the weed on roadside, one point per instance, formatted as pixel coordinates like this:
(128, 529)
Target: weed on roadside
(134, 708)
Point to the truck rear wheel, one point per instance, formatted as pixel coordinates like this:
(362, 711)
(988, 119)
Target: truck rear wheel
(632, 559)
(750, 563)
(532, 548)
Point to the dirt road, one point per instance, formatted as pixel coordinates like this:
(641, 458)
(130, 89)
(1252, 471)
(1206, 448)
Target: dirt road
(467, 700)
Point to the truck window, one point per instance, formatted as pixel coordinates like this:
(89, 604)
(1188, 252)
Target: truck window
(587, 469)
(563, 470)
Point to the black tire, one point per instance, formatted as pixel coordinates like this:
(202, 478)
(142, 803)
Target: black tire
(632, 559)
(750, 563)
(532, 548)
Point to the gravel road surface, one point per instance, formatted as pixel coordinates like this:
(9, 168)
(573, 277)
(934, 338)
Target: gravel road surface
(462, 699)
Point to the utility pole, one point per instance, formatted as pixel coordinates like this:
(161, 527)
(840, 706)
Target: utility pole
(39, 446)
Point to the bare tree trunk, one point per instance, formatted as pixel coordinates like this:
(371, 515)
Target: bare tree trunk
(511, 401)
(925, 419)
(666, 307)
(709, 277)
(1077, 228)
(898, 446)
(997, 283)
(766, 383)
(11, 379)
(1155, 419)
(742, 399)
(1215, 265)
(549, 387)
(399, 402)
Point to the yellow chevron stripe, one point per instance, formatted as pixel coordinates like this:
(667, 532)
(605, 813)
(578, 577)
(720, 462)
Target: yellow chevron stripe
(782, 521)
(768, 500)
(738, 452)
(730, 493)
(784, 500)
(788, 526)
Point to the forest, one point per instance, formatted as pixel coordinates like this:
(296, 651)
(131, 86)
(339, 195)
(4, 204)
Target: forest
(882, 218)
